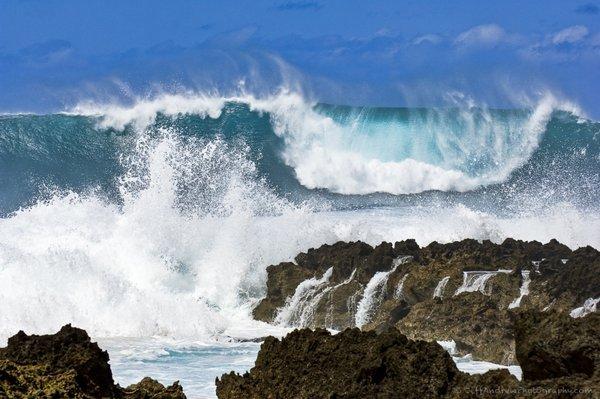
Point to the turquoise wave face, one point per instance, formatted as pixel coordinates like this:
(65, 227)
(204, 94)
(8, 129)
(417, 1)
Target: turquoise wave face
(473, 154)
(473, 141)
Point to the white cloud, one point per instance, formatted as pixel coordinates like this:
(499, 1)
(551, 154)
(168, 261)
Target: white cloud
(571, 34)
(429, 38)
(481, 35)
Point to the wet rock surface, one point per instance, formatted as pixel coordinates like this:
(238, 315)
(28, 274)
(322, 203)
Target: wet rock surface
(352, 364)
(554, 345)
(364, 364)
(148, 388)
(66, 365)
(467, 291)
(473, 320)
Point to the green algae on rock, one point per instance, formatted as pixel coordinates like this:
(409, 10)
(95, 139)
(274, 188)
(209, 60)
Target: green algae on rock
(67, 365)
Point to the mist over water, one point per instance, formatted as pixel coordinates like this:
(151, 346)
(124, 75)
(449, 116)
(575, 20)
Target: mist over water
(159, 218)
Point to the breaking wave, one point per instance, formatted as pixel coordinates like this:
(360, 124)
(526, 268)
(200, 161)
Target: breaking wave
(358, 150)
(159, 218)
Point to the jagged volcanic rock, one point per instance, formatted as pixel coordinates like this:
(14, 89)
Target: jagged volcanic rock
(148, 388)
(362, 364)
(564, 282)
(352, 364)
(480, 321)
(473, 320)
(66, 365)
(553, 345)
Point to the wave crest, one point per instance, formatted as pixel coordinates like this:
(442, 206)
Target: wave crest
(363, 150)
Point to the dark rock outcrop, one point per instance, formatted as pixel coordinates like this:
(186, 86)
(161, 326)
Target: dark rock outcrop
(363, 364)
(566, 281)
(148, 388)
(352, 364)
(554, 345)
(68, 351)
(67, 365)
(411, 295)
(473, 320)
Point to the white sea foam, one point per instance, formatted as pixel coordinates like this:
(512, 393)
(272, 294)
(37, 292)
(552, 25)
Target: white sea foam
(524, 290)
(358, 156)
(399, 293)
(439, 288)
(191, 263)
(474, 281)
(300, 306)
(589, 306)
(373, 291)
(148, 269)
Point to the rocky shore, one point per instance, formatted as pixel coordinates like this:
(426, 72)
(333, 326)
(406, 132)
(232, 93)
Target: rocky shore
(363, 364)
(559, 355)
(466, 291)
(67, 365)
(518, 302)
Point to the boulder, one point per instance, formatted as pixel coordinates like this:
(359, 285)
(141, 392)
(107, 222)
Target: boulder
(351, 364)
(69, 352)
(148, 388)
(67, 365)
(554, 345)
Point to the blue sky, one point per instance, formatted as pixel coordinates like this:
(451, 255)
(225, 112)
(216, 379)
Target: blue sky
(54, 53)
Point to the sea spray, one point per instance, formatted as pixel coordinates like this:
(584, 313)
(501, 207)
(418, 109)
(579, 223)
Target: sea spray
(160, 217)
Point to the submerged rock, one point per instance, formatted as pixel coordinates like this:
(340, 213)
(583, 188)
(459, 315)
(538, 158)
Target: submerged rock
(467, 291)
(148, 388)
(66, 365)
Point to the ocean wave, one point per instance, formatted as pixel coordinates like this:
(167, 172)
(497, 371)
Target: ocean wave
(361, 150)
(163, 224)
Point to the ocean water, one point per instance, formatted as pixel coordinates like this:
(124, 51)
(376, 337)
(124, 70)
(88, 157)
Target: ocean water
(195, 364)
(150, 224)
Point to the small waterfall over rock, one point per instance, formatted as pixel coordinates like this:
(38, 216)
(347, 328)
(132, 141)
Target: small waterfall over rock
(439, 289)
(315, 302)
(524, 290)
(374, 291)
(398, 293)
(293, 312)
(300, 309)
(476, 280)
(589, 306)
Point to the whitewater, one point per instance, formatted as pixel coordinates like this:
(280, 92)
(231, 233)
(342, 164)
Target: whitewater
(151, 224)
